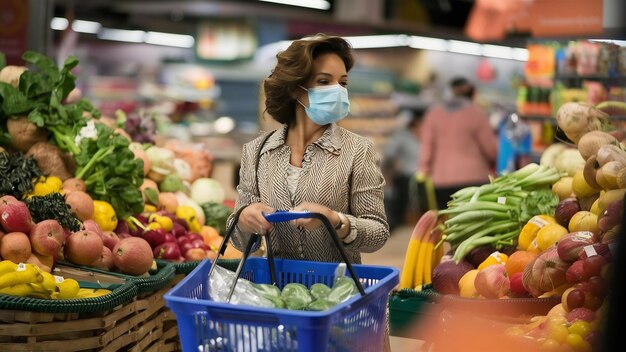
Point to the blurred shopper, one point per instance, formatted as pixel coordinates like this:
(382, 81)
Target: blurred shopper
(459, 146)
(400, 161)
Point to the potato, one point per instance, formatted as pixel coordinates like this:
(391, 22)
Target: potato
(24, 134)
(49, 159)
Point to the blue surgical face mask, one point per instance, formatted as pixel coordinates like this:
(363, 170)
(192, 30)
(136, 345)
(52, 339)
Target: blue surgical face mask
(327, 104)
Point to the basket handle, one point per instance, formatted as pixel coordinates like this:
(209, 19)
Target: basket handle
(284, 216)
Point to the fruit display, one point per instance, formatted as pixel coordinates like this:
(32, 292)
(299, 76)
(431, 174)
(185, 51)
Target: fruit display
(541, 231)
(76, 186)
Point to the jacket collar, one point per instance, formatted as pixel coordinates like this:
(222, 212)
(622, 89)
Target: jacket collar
(330, 140)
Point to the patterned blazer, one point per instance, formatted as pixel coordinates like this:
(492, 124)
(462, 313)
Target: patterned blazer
(341, 170)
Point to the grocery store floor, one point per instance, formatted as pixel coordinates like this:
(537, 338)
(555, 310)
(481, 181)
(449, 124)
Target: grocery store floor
(392, 254)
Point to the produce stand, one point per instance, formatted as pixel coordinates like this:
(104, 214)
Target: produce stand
(408, 307)
(130, 318)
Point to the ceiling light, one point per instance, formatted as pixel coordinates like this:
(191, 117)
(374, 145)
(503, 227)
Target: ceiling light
(428, 43)
(611, 41)
(169, 39)
(59, 23)
(497, 51)
(86, 26)
(122, 35)
(378, 41)
(461, 47)
(313, 4)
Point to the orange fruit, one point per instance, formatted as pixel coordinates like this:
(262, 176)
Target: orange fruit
(208, 233)
(518, 261)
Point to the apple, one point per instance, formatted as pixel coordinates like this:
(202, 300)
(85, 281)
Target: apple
(47, 237)
(195, 254)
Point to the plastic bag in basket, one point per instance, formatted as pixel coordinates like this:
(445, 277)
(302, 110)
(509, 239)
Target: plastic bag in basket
(245, 293)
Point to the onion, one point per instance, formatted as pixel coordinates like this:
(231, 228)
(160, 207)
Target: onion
(546, 273)
(565, 210)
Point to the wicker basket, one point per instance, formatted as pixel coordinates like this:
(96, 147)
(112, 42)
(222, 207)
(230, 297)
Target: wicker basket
(141, 324)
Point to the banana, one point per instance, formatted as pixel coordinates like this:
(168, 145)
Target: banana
(435, 236)
(7, 266)
(67, 289)
(20, 290)
(90, 292)
(426, 222)
(29, 274)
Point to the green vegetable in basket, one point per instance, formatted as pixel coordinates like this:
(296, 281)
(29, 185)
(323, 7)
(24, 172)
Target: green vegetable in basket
(342, 290)
(296, 296)
(277, 301)
(319, 290)
(267, 290)
(320, 305)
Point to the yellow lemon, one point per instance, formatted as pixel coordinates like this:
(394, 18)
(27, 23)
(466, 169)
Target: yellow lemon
(104, 215)
(549, 235)
(466, 284)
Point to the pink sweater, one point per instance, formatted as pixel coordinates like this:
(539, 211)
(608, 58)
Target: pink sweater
(459, 146)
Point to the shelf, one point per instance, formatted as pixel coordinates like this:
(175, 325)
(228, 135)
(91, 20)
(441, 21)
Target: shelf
(579, 77)
(553, 121)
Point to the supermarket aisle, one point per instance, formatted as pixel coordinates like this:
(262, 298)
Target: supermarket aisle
(392, 254)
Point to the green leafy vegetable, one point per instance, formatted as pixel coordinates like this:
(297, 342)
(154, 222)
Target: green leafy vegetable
(111, 172)
(53, 206)
(105, 163)
(216, 215)
(18, 174)
(492, 214)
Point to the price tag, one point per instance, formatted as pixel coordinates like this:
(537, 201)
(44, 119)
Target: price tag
(501, 200)
(590, 251)
(538, 221)
(21, 267)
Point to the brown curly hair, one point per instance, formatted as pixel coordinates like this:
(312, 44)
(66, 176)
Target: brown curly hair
(294, 68)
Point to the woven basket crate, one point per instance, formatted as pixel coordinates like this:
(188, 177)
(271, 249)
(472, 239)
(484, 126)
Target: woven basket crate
(142, 324)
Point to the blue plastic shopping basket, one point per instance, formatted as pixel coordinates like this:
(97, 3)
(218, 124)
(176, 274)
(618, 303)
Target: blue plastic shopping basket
(358, 324)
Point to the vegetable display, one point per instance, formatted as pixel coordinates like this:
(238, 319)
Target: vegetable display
(493, 214)
(543, 231)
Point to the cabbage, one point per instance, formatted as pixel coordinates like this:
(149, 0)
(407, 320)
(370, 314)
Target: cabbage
(205, 190)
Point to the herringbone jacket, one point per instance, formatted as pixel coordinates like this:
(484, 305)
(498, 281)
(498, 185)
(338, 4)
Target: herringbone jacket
(341, 170)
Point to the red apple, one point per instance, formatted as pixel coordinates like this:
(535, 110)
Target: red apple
(109, 239)
(47, 237)
(195, 254)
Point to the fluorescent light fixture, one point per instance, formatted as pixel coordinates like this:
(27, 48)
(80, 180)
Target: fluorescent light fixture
(498, 51)
(520, 54)
(461, 47)
(122, 35)
(169, 39)
(378, 41)
(59, 23)
(312, 4)
(86, 26)
(616, 42)
(428, 43)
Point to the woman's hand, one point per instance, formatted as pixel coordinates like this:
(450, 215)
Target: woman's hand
(252, 220)
(312, 224)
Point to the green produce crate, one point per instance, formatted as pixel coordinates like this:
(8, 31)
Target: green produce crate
(187, 267)
(118, 296)
(407, 307)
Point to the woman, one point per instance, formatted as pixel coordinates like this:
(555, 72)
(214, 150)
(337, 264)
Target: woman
(311, 164)
(459, 147)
